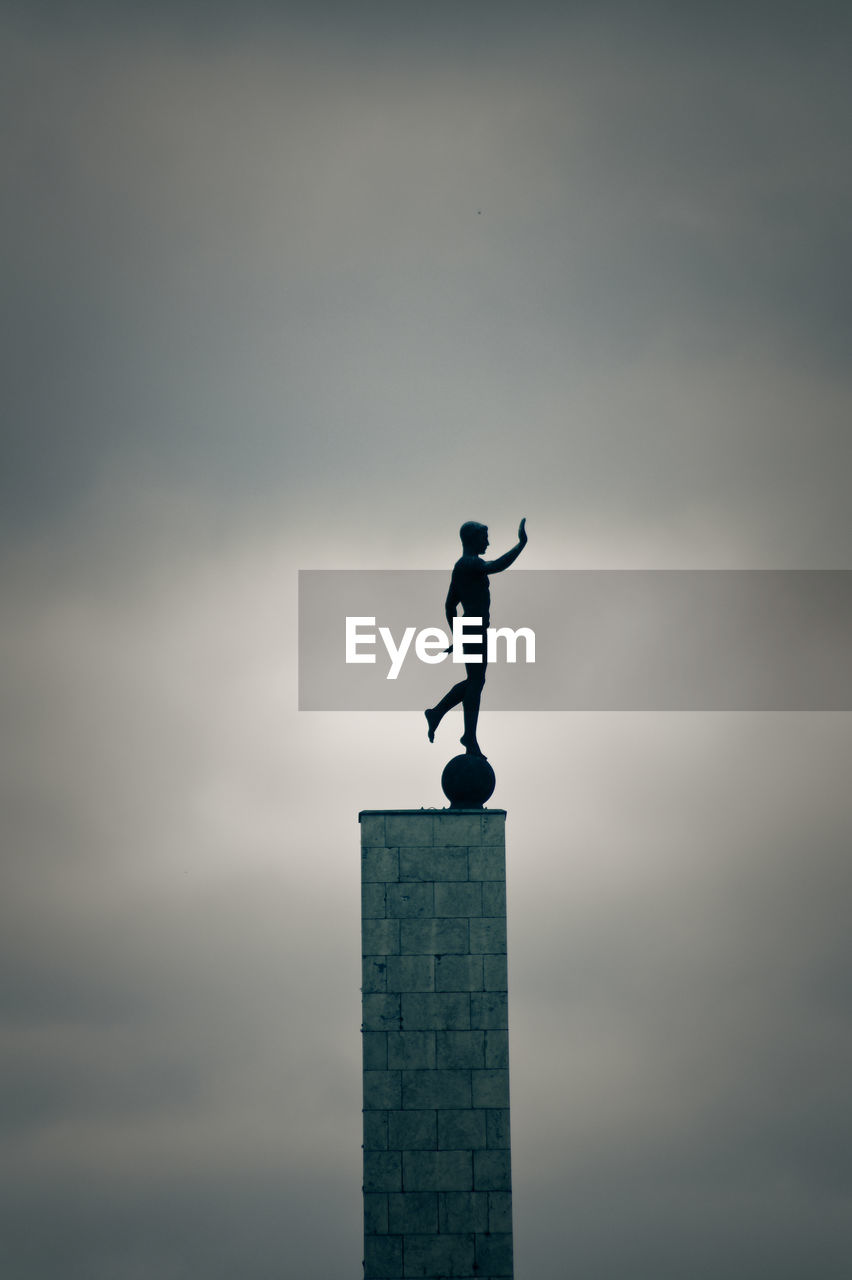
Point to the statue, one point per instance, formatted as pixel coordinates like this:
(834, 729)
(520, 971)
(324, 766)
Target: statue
(469, 588)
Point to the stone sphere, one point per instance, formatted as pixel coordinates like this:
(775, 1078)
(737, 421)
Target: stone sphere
(468, 781)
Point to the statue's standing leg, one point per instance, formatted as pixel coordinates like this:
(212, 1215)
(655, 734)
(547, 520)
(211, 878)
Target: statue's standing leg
(473, 695)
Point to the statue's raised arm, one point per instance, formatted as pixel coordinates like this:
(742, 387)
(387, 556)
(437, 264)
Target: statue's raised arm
(503, 562)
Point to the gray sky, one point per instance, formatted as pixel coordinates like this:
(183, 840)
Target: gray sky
(297, 288)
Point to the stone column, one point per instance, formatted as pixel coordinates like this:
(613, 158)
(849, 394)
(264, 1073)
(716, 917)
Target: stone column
(437, 1172)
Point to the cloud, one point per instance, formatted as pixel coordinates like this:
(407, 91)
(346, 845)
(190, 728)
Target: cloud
(600, 271)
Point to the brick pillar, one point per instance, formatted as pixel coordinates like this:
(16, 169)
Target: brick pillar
(437, 1169)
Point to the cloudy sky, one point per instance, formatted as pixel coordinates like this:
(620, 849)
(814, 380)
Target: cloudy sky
(305, 286)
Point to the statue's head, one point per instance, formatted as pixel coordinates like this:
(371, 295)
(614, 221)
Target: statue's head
(474, 537)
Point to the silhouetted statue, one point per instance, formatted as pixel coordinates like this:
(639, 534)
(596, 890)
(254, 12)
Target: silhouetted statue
(469, 588)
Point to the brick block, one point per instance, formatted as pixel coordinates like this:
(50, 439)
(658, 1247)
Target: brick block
(496, 975)
(380, 937)
(431, 1011)
(374, 1045)
(497, 1129)
(381, 1013)
(494, 1255)
(434, 937)
(461, 1211)
(458, 1050)
(410, 828)
(493, 898)
(490, 1088)
(487, 863)
(435, 1089)
(462, 1130)
(489, 1009)
(427, 1256)
(487, 937)
(459, 973)
(411, 973)
(437, 1170)
(410, 901)
(497, 1049)
(458, 829)
(374, 978)
(373, 828)
(375, 1213)
(438, 863)
(382, 1171)
(499, 1211)
(492, 1171)
(412, 1131)
(372, 900)
(458, 898)
(375, 1130)
(494, 828)
(382, 1090)
(382, 1257)
(412, 1050)
(379, 865)
(413, 1211)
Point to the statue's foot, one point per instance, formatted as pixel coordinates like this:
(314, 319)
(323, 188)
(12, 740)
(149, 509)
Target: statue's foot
(432, 721)
(472, 747)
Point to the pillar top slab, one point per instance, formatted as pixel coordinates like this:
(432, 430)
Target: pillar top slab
(367, 813)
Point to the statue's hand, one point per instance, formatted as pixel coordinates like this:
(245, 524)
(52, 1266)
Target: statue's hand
(522, 532)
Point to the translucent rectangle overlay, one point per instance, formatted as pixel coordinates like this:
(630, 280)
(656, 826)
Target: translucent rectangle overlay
(605, 640)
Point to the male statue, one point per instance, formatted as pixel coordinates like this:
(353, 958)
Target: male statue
(469, 588)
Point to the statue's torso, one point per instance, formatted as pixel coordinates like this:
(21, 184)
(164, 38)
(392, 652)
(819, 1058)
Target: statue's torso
(471, 585)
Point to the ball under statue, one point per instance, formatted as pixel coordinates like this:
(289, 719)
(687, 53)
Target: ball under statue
(468, 781)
